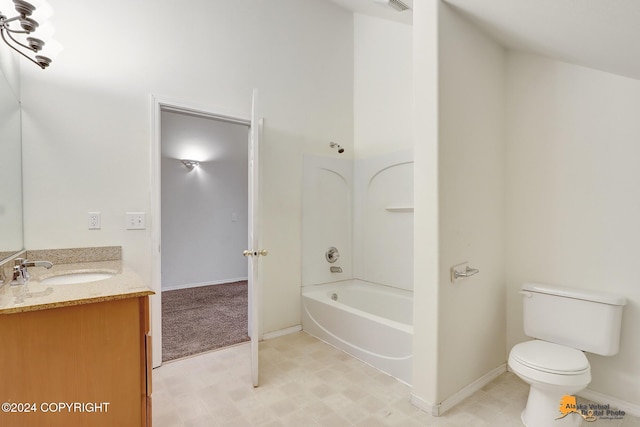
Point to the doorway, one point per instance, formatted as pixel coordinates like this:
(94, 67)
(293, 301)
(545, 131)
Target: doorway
(204, 211)
(250, 131)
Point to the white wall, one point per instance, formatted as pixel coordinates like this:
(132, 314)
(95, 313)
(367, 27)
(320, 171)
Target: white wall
(11, 236)
(572, 196)
(471, 202)
(425, 193)
(204, 211)
(383, 86)
(87, 117)
(10, 68)
(459, 204)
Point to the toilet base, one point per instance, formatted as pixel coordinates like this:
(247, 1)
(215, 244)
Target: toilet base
(543, 408)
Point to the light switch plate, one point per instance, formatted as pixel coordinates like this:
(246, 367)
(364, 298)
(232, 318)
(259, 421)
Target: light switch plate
(136, 221)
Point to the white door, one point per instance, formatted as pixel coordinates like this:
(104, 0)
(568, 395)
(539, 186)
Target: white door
(254, 252)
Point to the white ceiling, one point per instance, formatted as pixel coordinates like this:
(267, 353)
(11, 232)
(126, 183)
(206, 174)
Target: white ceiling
(601, 34)
(373, 8)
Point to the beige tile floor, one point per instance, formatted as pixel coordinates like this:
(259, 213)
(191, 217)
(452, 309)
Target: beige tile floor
(305, 382)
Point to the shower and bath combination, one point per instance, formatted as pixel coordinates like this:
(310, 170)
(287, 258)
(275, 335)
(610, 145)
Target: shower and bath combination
(334, 145)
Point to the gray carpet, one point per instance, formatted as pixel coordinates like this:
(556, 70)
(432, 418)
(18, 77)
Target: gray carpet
(200, 319)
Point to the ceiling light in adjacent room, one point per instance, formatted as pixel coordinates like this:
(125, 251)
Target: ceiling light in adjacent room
(190, 164)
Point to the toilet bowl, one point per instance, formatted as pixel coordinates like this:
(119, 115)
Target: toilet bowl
(564, 322)
(552, 371)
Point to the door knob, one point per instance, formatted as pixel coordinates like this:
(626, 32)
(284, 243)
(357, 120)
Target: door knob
(262, 252)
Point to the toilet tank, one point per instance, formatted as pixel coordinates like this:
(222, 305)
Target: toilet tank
(583, 319)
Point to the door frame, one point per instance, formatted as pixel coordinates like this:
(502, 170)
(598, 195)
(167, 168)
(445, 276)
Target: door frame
(159, 104)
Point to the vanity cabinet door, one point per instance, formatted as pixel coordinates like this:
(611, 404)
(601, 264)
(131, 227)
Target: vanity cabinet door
(83, 365)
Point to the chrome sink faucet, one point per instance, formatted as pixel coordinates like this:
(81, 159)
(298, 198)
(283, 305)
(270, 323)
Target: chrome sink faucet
(21, 274)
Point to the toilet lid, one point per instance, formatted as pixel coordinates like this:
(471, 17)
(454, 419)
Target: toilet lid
(550, 357)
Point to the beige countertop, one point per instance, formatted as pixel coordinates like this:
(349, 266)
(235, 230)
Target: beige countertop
(36, 296)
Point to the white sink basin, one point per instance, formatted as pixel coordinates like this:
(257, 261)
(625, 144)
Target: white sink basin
(71, 278)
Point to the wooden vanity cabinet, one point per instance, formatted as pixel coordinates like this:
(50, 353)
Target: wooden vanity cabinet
(79, 365)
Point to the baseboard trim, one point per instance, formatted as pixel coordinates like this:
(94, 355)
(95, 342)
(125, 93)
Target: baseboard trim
(423, 405)
(627, 407)
(439, 409)
(282, 332)
(197, 285)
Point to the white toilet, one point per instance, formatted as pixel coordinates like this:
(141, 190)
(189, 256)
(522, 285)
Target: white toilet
(565, 322)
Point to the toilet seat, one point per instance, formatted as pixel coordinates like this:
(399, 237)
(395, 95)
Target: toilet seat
(550, 358)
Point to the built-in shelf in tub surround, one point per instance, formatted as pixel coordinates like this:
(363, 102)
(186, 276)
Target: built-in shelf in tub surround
(36, 296)
(399, 208)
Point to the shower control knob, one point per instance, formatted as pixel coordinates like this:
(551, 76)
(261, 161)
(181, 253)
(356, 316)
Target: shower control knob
(332, 255)
(247, 253)
(263, 252)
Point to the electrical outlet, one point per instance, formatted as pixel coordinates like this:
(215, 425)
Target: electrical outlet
(94, 220)
(136, 221)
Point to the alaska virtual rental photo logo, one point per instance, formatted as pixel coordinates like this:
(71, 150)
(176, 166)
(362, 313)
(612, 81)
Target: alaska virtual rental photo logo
(589, 412)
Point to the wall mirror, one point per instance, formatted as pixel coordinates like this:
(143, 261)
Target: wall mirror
(11, 228)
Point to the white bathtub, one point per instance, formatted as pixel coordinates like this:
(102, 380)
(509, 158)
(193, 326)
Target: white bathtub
(371, 322)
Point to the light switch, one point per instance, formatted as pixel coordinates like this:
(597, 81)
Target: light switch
(136, 221)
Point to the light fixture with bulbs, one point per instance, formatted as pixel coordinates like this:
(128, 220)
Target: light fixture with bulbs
(190, 164)
(32, 16)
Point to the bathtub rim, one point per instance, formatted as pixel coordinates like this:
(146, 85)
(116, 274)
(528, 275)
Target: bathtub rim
(318, 293)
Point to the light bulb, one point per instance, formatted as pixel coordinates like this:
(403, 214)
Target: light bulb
(43, 12)
(52, 49)
(45, 31)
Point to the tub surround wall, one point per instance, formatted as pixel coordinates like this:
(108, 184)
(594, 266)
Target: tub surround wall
(365, 210)
(572, 206)
(383, 219)
(327, 212)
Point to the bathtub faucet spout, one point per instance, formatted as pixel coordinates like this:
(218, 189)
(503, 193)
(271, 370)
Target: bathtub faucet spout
(336, 269)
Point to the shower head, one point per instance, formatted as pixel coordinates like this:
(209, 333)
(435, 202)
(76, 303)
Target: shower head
(334, 145)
